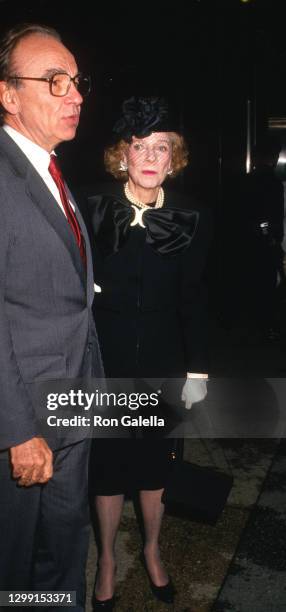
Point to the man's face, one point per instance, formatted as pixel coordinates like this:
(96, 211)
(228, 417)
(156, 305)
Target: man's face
(46, 119)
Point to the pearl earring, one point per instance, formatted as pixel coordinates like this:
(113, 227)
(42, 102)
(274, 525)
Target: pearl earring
(170, 171)
(122, 166)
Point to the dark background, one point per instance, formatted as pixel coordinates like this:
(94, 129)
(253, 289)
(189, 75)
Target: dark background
(208, 57)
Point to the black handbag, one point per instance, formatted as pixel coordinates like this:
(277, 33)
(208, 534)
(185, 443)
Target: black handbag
(196, 492)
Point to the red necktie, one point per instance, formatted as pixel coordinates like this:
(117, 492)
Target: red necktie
(56, 173)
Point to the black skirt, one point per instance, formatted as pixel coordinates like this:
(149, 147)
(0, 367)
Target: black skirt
(119, 466)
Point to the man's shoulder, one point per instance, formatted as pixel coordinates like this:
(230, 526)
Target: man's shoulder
(7, 172)
(13, 160)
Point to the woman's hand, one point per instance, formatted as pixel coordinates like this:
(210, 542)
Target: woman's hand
(194, 389)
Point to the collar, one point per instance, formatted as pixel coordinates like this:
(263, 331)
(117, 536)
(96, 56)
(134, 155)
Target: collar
(39, 157)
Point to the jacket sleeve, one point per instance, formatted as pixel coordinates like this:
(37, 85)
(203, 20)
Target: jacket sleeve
(17, 419)
(193, 297)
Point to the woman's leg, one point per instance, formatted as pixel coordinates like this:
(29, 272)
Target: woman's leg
(152, 512)
(109, 509)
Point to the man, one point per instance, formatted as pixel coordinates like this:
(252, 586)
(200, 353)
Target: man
(46, 326)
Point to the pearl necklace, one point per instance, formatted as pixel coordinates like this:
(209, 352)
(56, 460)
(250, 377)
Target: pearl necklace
(131, 198)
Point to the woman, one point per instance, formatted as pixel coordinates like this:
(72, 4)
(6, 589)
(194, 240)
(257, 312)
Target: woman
(150, 249)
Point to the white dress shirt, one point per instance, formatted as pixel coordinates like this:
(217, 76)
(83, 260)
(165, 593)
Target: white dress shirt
(39, 158)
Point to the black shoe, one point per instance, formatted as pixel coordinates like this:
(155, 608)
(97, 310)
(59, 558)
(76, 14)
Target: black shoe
(165, 593)
(101, 604)
(106, 605)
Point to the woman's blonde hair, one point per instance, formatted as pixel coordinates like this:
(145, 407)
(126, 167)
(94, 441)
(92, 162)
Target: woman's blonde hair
(113, 155)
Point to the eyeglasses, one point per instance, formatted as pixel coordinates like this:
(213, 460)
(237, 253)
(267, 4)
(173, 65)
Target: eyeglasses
(60, 83)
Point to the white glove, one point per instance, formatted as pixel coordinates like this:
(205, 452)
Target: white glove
(194, 390)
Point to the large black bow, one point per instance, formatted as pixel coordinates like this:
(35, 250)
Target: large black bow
(142, 116)
(169, 231)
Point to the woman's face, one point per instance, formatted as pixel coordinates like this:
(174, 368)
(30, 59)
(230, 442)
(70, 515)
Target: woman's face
(149, 159)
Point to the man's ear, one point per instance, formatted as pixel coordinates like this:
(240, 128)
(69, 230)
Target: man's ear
(9, 98)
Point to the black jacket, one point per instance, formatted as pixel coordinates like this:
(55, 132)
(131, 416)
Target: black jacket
(151, 313)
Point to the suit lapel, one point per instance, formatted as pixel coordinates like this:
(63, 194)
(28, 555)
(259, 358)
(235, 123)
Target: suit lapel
(89, 270)
(37, 190)
(42, 197)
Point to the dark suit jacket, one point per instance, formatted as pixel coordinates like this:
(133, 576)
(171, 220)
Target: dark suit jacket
(46, 325)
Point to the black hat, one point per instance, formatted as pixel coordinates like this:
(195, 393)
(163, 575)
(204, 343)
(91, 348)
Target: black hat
(142, 116)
